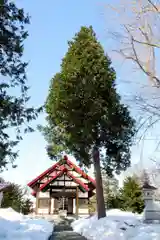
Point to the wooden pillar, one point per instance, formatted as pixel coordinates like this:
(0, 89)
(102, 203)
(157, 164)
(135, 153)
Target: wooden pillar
(49, 207)
(63, 202)
(37, 201)
(49, 204)
(77, 205)
(88, 206)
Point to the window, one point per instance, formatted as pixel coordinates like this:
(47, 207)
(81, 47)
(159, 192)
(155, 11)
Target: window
(43, 203)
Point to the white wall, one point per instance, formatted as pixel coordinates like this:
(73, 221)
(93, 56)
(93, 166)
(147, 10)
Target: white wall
(44, 195)
(83, 195)
(43, 211)
(83, 211)
(80, 210)
(61, 183)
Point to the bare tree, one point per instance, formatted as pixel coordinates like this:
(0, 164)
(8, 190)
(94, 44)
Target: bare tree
(138, 35)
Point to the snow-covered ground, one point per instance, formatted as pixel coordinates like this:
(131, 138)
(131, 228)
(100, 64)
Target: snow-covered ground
(16, 226)
(117, 225)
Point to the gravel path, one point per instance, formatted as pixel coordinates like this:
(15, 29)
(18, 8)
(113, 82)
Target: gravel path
(63, 231)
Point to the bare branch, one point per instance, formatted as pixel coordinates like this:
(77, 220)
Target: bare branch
(146, 43)
(139, 40)
(156, 8)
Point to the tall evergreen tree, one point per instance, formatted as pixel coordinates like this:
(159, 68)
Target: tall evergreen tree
(14, 111)
(84, 110)
(131, 195)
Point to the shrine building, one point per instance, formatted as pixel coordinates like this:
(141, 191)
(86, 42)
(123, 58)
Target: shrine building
(63, 187)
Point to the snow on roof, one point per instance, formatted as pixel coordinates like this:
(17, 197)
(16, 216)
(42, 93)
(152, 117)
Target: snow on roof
(146, 185)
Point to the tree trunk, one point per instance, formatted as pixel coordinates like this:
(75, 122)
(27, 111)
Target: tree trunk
(99, 187)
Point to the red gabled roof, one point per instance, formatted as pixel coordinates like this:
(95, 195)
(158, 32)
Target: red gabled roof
(78, 181)
(53, 178)
(42, 175)
(78, 170)
(61, 169)
(51, 169)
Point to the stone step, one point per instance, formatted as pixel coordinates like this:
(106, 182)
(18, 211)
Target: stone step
(66, 235)
(63, 231)
(60, 228)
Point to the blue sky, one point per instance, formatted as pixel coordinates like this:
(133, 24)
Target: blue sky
(53, 23)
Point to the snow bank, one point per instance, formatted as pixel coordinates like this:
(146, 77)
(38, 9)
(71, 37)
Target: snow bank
(16, 226)
(10, 214)
(118, 225)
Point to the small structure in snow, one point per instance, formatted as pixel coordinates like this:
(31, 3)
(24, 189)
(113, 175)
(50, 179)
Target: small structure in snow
(152, 209)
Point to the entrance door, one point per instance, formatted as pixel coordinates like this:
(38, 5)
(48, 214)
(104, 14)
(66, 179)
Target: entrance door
(63, 203)
(70, 205)
(56, 206)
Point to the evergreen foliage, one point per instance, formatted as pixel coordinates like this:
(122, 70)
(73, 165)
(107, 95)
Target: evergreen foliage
(85, 112)
(14, 112)
(15, 197)
(27, 206)
(131, 196)
(127, 198)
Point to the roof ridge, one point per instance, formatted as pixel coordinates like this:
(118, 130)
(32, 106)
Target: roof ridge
(62, 161)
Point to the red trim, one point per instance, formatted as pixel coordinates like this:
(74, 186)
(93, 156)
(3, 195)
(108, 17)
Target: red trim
(78, 170)
(78, 181)
(63, 169)
(53, 178)
(34, 181)
(69, 175)
(71, 165)
(33, 193)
